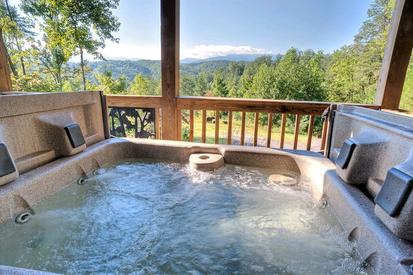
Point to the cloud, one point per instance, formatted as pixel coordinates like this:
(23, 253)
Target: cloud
(153, 52)
(131, 51)
(206, 51)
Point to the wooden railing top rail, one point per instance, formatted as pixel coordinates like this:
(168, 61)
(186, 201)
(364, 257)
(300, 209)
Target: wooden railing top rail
(256, 105)
(134, 101)
(228, 104)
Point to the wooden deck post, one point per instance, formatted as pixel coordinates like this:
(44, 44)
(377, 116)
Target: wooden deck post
(5, 80)
(396, 56)
(169, 67)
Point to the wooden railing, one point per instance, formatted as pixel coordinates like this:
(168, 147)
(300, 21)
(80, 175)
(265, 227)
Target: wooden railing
(269, 108)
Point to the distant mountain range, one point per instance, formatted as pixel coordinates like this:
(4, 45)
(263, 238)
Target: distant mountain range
(130, 67)
(231, 57)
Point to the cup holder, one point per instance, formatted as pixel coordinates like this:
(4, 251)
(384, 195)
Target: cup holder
(206, 162)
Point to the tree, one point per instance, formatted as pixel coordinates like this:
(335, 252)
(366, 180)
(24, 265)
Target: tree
(353, 70)
(85, 24)
(297, 76)
(187, 85)
(108, 85)
(202, 84)
(341, 79)
(53, 60)
(15, 28)
(142, 85)
(218, 85)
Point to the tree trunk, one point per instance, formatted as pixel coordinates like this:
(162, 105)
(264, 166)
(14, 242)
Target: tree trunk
(59, 79)
(23, 66)
(82, 66)
(11, 64)
(5, 80)
(19, 48)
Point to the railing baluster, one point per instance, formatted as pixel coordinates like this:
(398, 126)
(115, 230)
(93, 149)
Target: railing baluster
(269, 129)
(203, 126)
(158, 123)
(242, 128)
(216, 127)
(283, 121)
(324, 135)
(179, 123)
(191, 125)
(296, 130)
(310, 132)
(229, 138)
(256, 120)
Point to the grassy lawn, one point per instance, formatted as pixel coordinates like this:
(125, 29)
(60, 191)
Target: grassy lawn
(249, 133)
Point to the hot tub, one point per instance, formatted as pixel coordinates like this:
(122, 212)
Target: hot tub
(88, 203)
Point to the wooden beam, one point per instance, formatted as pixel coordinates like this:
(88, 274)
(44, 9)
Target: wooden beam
(257, 105)
(191, 125)
(158, 128)
(133, 101)
(169, 66)
(5, 80)
(229, 134)
(324, 135)
(282, 132)
(296, 130)
(256, 121)
(204, 126)
(310, 132)
(178, 124)
(269, 130)
(216, 127)
(396, 56)
(242, 128)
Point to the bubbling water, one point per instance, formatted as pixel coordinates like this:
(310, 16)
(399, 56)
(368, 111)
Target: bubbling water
(146, 217)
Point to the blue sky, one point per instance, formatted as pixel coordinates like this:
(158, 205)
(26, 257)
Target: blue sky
(220, 27)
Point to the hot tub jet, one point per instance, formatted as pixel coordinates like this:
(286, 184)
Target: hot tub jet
(23, 217)
(81, 180)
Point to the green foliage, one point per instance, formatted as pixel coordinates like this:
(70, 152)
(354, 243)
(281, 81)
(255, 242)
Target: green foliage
(202, 84)
(341, 77)
(71, 28)
(219, 88)
(143, 85)
(407, 96)
(296, 76)
(187, 85)
(108, 85)
(16, 29)
(74, 26)
(34, 82)
(353, 70)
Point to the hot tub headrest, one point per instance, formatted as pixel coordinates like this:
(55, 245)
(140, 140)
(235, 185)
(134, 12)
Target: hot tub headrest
(8, 170)
(346, 152)
(394, 202)
(395, 191)
(358, 157)
(63, 133)
(74, 133)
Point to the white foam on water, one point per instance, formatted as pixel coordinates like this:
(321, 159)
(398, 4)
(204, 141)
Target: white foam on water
(146, 217)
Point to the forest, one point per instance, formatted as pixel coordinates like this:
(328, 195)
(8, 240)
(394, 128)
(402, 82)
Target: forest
(43, 36)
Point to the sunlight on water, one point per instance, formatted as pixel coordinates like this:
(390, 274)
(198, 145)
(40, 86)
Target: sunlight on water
(146, 217)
